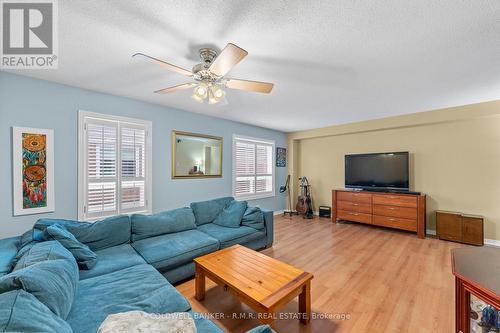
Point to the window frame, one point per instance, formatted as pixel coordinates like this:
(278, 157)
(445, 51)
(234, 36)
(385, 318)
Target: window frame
(83, 118)
(255, 196)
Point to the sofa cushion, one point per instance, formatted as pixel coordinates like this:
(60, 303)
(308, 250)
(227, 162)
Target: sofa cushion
(113, 259)
(231, 214)
(170, 250)
(139, 287)
(8, 249)
(144, 226)
(253, 218)
(85, 257)
(231, 236)
(112, 231)
(207, 211)
(51, 279)
(22, 312)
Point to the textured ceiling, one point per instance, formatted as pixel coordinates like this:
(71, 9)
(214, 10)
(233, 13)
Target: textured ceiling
(331, 61)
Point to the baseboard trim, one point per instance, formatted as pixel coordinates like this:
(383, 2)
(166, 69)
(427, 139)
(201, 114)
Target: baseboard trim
(487, 241)
(278, 212)
(492, 242)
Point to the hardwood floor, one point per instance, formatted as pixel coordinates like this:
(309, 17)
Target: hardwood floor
(366, 279)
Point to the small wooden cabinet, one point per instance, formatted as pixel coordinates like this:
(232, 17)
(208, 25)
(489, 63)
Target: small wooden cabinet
(392, 210)
(459, 227)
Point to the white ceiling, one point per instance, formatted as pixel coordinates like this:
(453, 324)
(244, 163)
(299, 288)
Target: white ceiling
(332, 62)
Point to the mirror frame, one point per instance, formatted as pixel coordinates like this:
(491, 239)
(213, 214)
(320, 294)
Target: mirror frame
(174, 151)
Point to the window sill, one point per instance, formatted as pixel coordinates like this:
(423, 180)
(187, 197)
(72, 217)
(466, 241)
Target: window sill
(98, 218)
(255, 197)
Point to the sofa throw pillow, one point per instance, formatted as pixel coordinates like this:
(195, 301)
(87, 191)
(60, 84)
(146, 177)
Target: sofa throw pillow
(52, 281)
(37, 252)
(253, 218)
(145, 226)
(207, 211)
(22, 312)
(85, 257)
(99, 235)
(232, 214)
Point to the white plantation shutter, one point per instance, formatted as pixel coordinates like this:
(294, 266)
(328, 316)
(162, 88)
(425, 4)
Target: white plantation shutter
(114, 172)
(253, 168)
(133, 167)
(101, 158)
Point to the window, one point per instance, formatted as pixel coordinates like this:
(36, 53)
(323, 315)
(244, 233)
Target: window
(114, 174)
(253, 168)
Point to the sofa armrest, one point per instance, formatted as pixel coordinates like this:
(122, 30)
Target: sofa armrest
(269, 222)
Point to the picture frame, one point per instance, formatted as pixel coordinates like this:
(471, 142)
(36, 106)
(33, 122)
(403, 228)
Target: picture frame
(280, 157)
(196, 155)
(32, 171)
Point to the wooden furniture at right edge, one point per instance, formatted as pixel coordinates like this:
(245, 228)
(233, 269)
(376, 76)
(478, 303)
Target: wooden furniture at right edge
(477, 276)
(393, 210)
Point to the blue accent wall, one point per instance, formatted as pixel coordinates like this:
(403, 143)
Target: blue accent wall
(29, 102)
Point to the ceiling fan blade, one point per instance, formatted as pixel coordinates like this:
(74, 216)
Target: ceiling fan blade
(261, 87)
(175, 88)
(229, 57)
(164, 64)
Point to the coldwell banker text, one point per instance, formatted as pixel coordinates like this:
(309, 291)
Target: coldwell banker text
(29, 34)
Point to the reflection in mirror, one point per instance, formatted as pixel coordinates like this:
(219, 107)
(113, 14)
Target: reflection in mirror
(196, 155)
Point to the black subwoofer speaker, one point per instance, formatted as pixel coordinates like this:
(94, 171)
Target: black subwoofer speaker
(325, 211)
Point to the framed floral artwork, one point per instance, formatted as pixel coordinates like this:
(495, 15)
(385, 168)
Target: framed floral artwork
(32, 170)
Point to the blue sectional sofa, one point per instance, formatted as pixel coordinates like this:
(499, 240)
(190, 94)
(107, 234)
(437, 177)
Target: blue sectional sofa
(67, 276)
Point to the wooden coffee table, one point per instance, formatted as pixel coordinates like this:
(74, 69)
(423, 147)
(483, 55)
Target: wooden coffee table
(263, 283)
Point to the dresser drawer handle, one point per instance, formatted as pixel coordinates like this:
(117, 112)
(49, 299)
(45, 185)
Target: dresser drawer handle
(391, 219)
(355, 214)
(355, 204)
(392, 208)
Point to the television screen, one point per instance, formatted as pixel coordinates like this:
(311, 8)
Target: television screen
(385, 171)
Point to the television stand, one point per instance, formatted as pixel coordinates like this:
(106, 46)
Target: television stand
(404, 211)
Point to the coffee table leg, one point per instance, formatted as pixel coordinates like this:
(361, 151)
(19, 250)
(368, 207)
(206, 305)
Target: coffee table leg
(199, 283)
(305, 303)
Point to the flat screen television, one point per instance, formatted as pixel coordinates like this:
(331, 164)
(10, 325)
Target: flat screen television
(378, 171)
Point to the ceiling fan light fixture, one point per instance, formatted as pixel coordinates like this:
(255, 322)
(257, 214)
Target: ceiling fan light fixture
(212, 100)
(215, 95)
(197, 98)
(218, 92)
(201, 91)
(211, 97)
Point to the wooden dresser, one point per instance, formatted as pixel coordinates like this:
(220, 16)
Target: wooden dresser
(400, 211)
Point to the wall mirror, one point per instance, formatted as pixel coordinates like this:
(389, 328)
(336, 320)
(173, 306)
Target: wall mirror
(196, 155)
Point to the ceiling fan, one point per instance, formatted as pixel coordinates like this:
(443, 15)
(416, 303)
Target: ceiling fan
(209, 76)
